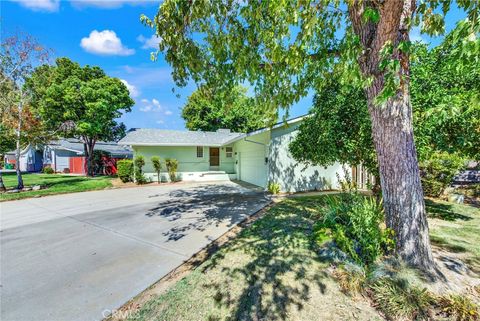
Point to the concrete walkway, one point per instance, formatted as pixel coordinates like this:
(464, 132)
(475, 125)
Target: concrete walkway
(81, 256)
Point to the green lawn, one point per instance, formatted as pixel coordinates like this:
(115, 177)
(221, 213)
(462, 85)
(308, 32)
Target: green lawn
(274, 270)
(55, 183)
(456, 228)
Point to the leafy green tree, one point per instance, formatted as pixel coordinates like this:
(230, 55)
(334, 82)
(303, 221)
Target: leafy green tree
(445, 106)
(446, 100)
(337, 130)
(283, 48)
(81, 101)
(209, 110)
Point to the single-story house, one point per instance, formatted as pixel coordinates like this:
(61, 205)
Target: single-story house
(259, 157)
(64, 155)
(30, 159)
(68, 155)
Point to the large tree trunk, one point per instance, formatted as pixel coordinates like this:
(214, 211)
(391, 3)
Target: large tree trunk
(402, 191)
(89, 145)
(392, 130)
(2, 186)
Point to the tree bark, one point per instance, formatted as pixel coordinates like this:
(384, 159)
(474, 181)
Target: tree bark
(2, 186)
(392, 131)
(89, 145)
(18, 146)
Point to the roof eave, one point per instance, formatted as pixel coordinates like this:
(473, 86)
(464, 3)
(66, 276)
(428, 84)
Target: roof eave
(168, 144)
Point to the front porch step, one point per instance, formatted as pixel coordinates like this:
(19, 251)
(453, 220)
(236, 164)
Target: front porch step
(213, 173)
(216, 176)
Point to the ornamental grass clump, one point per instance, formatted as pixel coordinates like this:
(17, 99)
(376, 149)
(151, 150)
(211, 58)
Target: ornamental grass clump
(400, 300)
(458, 307)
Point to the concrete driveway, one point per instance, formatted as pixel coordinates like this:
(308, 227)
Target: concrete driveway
(80, 256)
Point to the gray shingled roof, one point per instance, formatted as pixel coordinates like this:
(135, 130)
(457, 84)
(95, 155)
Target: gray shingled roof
(165, 137)
(76, 145)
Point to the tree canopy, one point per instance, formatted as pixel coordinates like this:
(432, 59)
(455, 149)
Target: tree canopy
(446, 106)
(82, 102)
(446, 100)
(209, 110)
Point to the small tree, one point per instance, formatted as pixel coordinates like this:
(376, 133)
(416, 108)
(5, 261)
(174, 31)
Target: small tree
(157, 165)
(18, 56)
(138, 163)
(172, 166)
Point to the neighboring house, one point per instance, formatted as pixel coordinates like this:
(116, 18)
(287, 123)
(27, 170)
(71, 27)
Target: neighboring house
(30, 159)
(64, 155)
(259, 157)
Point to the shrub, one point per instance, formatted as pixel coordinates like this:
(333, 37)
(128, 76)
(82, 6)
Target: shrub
(139, 162)
(351, 278)
(125, 170)
(274, 188)
(438, 171)
(399, 300)
(353, 222)
(48, 170)
(458, 307)
(172, 166)
(157, 165)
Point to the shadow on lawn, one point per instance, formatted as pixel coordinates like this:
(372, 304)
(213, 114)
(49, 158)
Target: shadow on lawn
(280, 273)
(443, 211)
(207, 206)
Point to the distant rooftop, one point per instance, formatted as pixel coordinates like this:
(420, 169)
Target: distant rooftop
(76, 145)
(166, 137)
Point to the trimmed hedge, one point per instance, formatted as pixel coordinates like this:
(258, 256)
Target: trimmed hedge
(125, 170)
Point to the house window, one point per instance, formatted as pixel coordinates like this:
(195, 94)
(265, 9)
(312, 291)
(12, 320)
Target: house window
(200, 151)
(229, 151)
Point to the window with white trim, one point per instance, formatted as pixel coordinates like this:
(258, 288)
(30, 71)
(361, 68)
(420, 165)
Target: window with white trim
(228, 152)
(200, 151)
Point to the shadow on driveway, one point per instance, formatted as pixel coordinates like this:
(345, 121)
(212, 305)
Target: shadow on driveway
(206, 206)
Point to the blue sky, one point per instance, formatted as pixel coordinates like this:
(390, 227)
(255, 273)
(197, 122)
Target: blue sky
(108, 33)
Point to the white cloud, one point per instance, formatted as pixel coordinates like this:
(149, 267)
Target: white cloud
(160, 122)
(134, 92)
(109, 4)
(149, 43)
(415, 35)
(40, 5)
(168, 112)
(150, 106)
(106, 43)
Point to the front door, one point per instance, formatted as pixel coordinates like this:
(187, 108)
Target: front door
(214, 156)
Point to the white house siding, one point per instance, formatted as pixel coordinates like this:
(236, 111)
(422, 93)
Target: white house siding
(252, 158)
(293, 176)
(62, 159)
